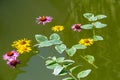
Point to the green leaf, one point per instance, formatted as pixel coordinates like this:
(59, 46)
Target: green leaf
(54, 36)
(54, 42)
(83, 74)
(99, 25)
(79, 46)
(40, 38)
(57, 70)
(52, 66)
(87, 26)
(88, 15)
(73, 68)
(92, 18)
(60, 48)
(60, 59)
(90, 58)
(50, 62)
(45, 44)
(97, 38)
(71, 51)
(68, 78)
(69, 61)
(100, 16)
(63, 72)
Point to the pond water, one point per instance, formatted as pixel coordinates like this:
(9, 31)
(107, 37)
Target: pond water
(17, 21)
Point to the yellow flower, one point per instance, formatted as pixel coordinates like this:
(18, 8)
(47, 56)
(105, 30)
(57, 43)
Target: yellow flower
(57, 28)
(22, 45)
(22, 42)
(86, 42)
(23, 49)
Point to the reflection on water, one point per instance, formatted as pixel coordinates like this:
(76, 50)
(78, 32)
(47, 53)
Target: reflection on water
(17, 20)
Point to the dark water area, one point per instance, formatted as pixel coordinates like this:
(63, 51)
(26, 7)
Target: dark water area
(17, 21)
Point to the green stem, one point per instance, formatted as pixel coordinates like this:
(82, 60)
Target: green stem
(41, 57)
(93, 31)
(72, 76)
(88, 62)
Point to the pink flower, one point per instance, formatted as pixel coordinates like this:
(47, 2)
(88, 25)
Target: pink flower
(43, 19)
(77, 27)
(10, 55)
(13, 62)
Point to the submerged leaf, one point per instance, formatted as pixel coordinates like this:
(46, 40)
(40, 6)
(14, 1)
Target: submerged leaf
(40, 38)
(54, 36)
(83, 74)
(71, 51)
(60, 48)
(97, 38)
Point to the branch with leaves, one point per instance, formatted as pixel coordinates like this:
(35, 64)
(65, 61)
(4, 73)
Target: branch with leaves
(60, 65)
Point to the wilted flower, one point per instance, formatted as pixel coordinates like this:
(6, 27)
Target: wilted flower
(43, 19)
(86, 42)
(13, 62)
(77, 27)
(57, 28)
(12, 54)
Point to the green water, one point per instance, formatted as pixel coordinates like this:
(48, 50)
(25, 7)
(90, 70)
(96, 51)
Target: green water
(17, 21)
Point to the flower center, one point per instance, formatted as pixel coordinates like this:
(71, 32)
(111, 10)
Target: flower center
(10, 54)
(87, 41)
(77, 27)
(43, 18)
(14, 62)
(23, 42)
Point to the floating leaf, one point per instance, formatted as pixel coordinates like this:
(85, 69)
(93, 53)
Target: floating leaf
(83, 74)
(71, 51)
(79, 46)
(87, 26)
(54, 36)
(100, 16)
(90, 58)
(68, 78)
(88, 15)
(99, 25)
(57, 70)
(60, 48)
(97, 38)
(73, 68)
(40, 38)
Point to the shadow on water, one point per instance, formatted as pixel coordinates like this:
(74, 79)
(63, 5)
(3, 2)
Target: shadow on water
(17, 20)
